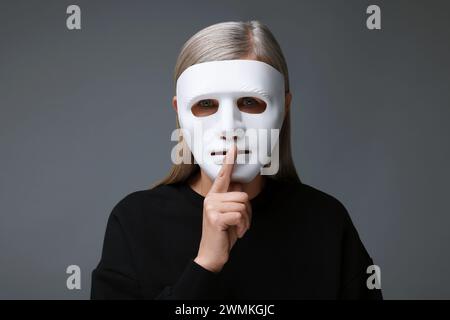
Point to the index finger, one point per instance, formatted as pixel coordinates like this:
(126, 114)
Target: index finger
(223, 179)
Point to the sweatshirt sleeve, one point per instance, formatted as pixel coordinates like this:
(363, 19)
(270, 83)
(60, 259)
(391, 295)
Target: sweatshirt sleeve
(355, 261)
(194, 283)
(115, 277)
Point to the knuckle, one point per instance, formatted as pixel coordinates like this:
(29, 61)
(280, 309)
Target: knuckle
(209, 207)
(209, 204)
(214, 219)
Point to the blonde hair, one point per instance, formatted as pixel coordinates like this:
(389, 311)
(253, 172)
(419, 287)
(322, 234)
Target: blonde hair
(227, 41)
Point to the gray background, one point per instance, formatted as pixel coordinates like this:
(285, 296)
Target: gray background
(86, 119)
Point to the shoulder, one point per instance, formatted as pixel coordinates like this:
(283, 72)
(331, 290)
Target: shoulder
(330, 219)
(133, 204)
(328, 211)
(321, 199)
(315, 203)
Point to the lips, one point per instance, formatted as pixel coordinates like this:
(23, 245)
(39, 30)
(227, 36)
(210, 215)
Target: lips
(224, 152)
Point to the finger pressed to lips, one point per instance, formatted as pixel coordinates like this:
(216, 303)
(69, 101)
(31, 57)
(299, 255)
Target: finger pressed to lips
(224, 152)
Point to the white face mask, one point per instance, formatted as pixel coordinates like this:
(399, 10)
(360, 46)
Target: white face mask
(219, 99)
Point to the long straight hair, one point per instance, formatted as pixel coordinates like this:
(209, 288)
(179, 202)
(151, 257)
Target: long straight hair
(228, 41)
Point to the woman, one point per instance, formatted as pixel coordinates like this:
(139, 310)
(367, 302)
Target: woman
(223, 229)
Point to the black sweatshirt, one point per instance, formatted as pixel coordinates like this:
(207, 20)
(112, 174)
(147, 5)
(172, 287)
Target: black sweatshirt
(301, 244)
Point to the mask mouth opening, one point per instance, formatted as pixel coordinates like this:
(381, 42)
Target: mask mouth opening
(224, 152)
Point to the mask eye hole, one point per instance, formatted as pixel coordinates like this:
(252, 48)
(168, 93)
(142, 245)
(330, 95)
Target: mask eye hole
(205, 107)
(251, 105)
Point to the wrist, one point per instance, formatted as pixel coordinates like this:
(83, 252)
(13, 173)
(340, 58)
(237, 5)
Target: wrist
(208, 265)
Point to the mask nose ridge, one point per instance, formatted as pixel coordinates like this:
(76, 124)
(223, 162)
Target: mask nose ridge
(230, 120)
